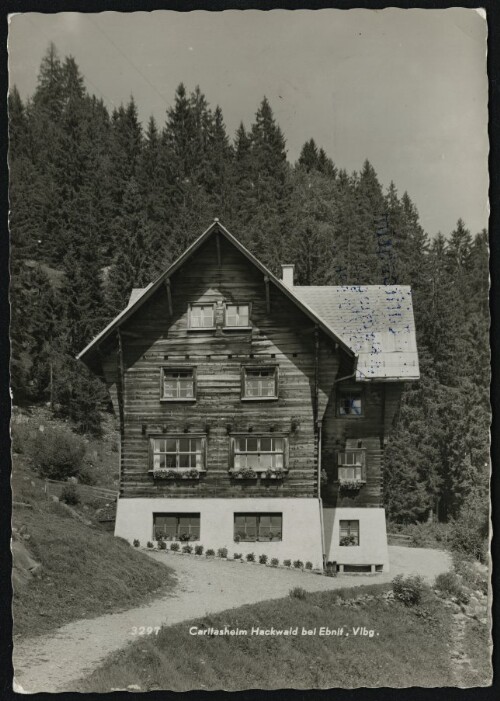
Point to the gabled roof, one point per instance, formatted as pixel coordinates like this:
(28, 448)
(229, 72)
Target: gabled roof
(140, 297)
(376, 321)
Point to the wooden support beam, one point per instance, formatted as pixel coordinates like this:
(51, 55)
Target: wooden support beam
(131, 334)
(316, 376)
(268, 294)
(217, 242)
(169, 296)
(120, 382)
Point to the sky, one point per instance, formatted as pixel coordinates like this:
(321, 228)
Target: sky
(405, 89)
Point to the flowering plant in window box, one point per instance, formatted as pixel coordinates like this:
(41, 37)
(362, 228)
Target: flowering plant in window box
(273, 474)
(169, 474)
(244, 474)
(348, 540)
(350, 485)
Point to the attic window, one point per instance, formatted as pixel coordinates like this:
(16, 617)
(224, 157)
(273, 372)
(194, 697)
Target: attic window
(350, 403)
(237, 316)
(201, 316)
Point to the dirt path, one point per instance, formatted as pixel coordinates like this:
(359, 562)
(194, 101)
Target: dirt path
(53, 662)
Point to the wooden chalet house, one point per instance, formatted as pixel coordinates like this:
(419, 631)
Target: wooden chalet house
(254, 413)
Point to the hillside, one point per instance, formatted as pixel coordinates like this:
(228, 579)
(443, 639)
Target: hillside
(65, 570)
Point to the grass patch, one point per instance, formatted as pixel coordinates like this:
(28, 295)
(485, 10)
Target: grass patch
(477, 644)
(411, 648)
(85, 572)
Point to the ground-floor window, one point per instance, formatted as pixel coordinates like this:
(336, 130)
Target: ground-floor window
(176, 526)
(258, 527)
(349, 533)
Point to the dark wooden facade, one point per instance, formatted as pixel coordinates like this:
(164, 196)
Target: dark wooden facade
(310, 365)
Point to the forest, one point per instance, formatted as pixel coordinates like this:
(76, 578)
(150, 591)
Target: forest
(99, 204)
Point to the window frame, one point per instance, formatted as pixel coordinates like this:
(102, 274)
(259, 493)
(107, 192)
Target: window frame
(357, 534)
(201, 328)
(178, 515)
(348, 392)
(233, 452)
(258, 516)
(178, 368)
(252, 367)
(344, 465)
(177, 437)
(227, 327)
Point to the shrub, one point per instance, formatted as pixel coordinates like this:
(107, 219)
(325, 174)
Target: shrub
(150, 544)
(175, 547)
(449, 583)
(298, 564)
(409, 590)
(263, 559)
(198, 549)
(21, 437)
(187, 548)
(274, 562)
(470, 574)
(136, 543)
(222, 552)
(162, 545)
(298, 593)
(210, 552)
(470, 538)
(287, 563)
(237, 556)
(250, 557)
(309, 565)
(57, 453)
(69, 494)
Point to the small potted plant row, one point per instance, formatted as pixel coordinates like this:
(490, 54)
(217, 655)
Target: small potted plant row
(350, 485)
(249, 474)
(169, 474)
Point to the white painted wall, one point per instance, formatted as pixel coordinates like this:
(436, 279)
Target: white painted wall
(301, 524)
(372, 548)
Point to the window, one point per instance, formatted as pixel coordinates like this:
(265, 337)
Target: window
(253, 527)
(351, 466)
(237, 315)
(350, 404)
(178, 453)
(260, 383)
(201, 316)
(349, 533)
(176, 526)
(178, 384)
(259, 454)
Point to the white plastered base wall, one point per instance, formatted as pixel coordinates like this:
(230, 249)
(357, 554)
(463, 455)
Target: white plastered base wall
(301, 528)
(372, 548)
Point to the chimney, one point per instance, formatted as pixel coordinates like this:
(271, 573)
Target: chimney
(287, 274)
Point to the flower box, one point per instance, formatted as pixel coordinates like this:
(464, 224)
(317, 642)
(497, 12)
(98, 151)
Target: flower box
(273, 475)
(170, 474)
(244, 474)
(350, 485)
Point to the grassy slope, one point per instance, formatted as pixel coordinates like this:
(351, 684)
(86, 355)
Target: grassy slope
(410, 650)
(85, 572)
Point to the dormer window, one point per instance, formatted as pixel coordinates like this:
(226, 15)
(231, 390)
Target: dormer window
(237, 316)
(201, 316)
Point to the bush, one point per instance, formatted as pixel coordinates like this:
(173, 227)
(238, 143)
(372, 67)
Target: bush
(187, 548)
(69, 494)
(57, 453)
(198, 549)
(298, 564)
(21, 437)
(175, 547)
(210, 552)
(470, 538)
(263, 559)
(449, 583)
(136, 543)
(298, 593)
(409, 590)
(287, 563)
(274, 562)
(309, 565)
(222, 552)
(162, 545)
(150, 544)
(237, 556)
(473, 577)
(250, 557)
